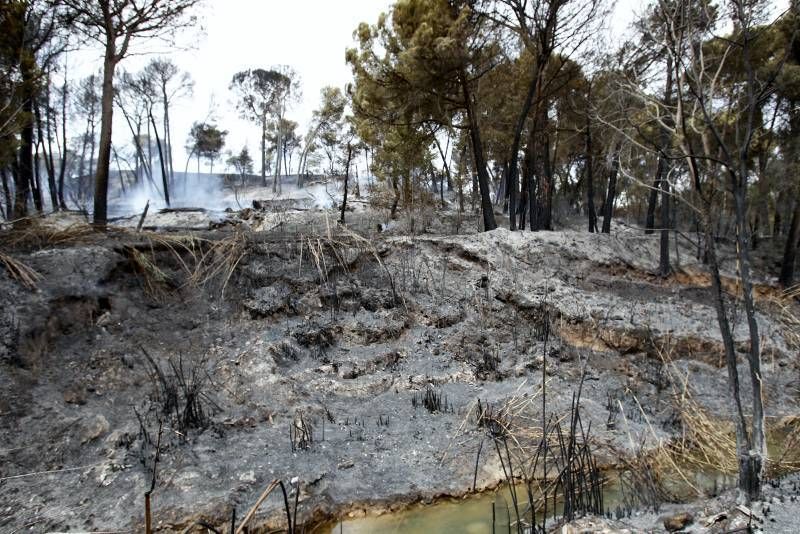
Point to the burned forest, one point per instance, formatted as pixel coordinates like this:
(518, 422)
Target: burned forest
(424, 266)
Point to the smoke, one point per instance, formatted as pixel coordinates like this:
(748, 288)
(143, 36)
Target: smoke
(218, 193)
(187, 190)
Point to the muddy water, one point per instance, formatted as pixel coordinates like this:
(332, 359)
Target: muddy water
(473, 514)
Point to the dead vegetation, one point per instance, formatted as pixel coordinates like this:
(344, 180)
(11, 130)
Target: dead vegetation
(700, 459)
(37, 234)
(789, 306)
(19, 271)
(432, 400)
(454, 320)
(198, 262)
(550, 470)
(182, 392)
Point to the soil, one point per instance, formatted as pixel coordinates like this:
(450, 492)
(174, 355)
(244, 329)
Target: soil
(307, 355)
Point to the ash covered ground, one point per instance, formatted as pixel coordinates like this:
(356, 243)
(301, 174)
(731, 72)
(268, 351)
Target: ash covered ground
(306, 350)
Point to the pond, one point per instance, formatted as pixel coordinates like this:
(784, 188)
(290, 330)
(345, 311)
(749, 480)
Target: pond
(473, 513)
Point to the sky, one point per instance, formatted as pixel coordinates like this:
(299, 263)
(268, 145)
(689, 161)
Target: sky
(311, 36)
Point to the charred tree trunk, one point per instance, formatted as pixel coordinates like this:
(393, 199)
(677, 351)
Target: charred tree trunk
(168, 135)
(512, 171)
(737, 411)
(62, 171)
(752, 459)
(48, 156)
(119, 170)
(23, 174)
(790, 250)
(652, 200)
(753, 453)
(611, 193)
(441, 190)
(530, 179)
(104, 154)
(664, 268)
(661, 183)
(276, 178)
(446, 168)
(474, 195)
(662, 175)
(590, 179)
(92, 147)
(164, 175)
(38, 200)
(523, 204)
(82, 166)
(547, 185)
(23, 177)
(506, 189)
(396, 200)
(777, 220)
(661, 168)
(346, 180)
(6, 193)
(480, 163)
(263, 152)
(462, 170)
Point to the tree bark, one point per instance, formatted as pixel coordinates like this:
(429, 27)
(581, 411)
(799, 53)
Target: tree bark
(264, 152)
(462, 170)
(611, 194)
(790, 250)
(752, 459)
(547, 184)
(529, 179)
(119, 170)
(480, 163)
(652, 200)
(81, 165)
(278, 150)
(92, 126)
(62, 171)
(662, 176)
(664, 268)
(49, 162)
(168, 134)
(23, 177)
(395, 200)
(446, 167)
(590, 178)
(737, 411)
(346, 180)
(36, 189)
(104, 155)
(164, 175)
(6, 193)
(512, 171)
(777, 221)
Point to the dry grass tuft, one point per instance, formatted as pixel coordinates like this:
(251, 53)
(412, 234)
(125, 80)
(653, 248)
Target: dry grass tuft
(37, 234)
(153, 277)
(202, 262)
(19, 271)
(707, 444)
(790, 316)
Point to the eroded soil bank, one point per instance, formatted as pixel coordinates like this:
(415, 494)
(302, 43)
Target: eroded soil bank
(334, 332)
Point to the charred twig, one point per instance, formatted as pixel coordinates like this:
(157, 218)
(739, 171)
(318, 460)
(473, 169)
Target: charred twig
(148, 526)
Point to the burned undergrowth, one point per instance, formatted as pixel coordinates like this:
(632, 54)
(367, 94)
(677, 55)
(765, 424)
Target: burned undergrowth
(346, 361)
